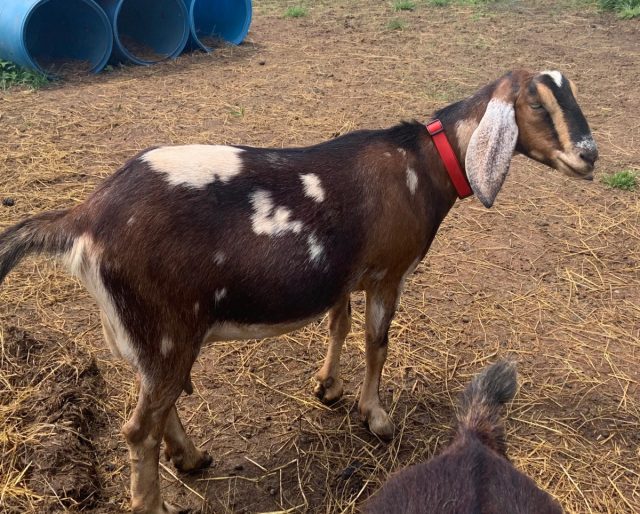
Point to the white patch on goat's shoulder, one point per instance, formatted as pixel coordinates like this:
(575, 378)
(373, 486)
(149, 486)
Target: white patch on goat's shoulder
(219, 294)
(402, 151)
(83, 262)
(219, 257)
(412, 180)
(555, 75)
(387, 154)
(312, 187)
(315, 248)
(269, 219)
(131, 220)
(166, 345)
(195, 165)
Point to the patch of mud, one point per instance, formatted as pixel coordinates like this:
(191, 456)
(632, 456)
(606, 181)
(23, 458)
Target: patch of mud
(59, 411)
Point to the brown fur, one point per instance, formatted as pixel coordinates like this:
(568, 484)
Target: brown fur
(472, 474)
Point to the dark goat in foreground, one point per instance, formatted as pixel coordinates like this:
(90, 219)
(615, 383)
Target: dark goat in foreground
(188, 245)
(473, 474)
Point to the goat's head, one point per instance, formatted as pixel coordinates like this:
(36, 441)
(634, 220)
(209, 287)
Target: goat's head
(536, 115)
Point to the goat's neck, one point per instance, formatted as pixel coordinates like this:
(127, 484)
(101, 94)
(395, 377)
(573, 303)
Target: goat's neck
(461, 119)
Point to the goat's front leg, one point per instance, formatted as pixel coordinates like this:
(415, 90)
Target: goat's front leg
(380, 309)
(329, 385)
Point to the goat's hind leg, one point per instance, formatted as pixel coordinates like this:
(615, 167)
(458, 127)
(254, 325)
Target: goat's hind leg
(179, 448)
(328, 383)
(143, 433)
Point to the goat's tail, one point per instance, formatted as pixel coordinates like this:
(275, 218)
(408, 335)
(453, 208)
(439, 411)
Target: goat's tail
(480, 411)
(48, 232)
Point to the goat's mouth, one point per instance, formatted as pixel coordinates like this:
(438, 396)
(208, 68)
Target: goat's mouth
(573, 166)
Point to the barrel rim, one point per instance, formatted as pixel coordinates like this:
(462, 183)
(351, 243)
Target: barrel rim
(236, 41)
(101, 15)
(146, 62)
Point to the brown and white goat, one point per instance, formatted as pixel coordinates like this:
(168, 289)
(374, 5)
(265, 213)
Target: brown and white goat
(473, 473)
(186, 245)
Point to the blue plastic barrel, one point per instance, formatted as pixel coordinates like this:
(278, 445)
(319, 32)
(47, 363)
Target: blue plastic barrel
(147, 31)
(228, 20)
(49, 35)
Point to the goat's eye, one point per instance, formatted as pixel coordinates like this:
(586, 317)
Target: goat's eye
(536, 106)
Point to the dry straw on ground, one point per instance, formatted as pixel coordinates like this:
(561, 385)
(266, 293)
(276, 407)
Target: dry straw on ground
(550, 275)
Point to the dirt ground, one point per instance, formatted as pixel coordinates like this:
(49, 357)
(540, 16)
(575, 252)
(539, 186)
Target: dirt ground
(550, 275)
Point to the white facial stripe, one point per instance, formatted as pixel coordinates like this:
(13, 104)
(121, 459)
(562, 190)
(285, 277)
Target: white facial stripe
(412, 180)
(315, 248)
(83, 262)
(555, 75)
(271, 220)
(195, 165)
(312, 187)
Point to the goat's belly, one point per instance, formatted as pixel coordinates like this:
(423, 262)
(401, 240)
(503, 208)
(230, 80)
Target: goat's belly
(230, 331)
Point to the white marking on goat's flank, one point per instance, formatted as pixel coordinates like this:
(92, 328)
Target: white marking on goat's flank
(412, 180)
(269, 219)
(315, 248)
(387, 154)
(402, 151)
(196, 308)
(219, 257)
(555, 75)
(219, 294)
(166, 345)
(312, 186)
(131, 220)
(378, 313)
(83, 262)
(195, 165)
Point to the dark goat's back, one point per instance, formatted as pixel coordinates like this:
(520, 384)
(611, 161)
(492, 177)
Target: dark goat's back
(472, 475)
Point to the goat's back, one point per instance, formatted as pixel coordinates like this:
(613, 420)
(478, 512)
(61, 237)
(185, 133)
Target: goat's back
(467, 478)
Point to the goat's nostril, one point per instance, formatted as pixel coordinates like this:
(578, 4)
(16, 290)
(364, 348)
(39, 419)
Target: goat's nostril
(589, 156)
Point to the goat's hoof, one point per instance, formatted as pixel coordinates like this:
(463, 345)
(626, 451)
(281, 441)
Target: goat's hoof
(190, 464)
(328, 391)
(167, 508)
(380, 424)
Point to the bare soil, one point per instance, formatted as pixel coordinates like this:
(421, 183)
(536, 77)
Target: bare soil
(550, 275)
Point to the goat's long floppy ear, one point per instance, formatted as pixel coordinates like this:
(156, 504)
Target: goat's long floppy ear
(491, 147)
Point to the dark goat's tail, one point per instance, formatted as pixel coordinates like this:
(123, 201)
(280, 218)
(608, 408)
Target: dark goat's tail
(44, 233)
(481, 405)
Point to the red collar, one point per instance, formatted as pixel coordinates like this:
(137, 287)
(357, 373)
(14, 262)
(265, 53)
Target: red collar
(448, 156)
